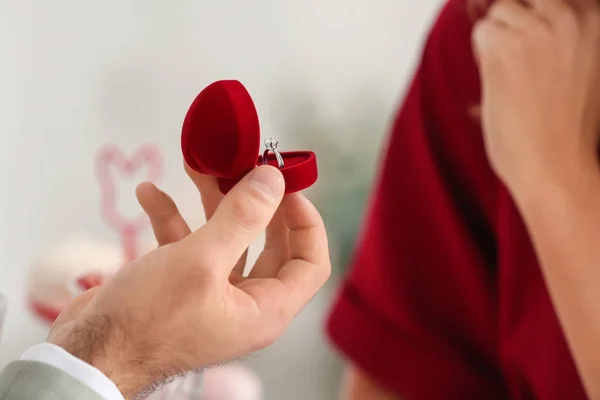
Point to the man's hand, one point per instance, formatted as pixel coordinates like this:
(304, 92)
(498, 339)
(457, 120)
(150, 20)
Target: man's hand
(186, 305)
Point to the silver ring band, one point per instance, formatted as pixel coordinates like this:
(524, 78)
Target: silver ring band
(271, 145)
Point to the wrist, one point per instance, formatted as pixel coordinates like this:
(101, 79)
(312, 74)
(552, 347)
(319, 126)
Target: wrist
(576, 182)
(565, 166)
(101, 344)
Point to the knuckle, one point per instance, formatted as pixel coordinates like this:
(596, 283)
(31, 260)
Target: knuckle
(566, 19)
(496, 8)
(482, 34)
(490, 41)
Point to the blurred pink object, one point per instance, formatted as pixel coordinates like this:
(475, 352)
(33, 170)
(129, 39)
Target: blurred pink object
(229, 382)
(111, 158)
(56, 267)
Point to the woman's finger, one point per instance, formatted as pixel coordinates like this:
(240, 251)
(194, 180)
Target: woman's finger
(513, 14)
(557, 13)
(167, 223)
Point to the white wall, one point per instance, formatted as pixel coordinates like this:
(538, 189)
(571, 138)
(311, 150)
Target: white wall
(77, 74)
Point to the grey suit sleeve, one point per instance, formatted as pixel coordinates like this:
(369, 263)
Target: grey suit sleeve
(30, 380)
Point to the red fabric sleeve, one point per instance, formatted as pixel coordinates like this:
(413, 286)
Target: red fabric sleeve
(418, 310)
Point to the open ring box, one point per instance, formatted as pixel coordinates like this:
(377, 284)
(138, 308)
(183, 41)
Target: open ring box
(221, 137)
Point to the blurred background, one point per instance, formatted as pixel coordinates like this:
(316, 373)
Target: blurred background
(326, 75)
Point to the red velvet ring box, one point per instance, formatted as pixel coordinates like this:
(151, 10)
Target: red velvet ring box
(221, 137)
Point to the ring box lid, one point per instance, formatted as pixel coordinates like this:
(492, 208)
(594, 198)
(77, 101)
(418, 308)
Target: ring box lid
(221, 137)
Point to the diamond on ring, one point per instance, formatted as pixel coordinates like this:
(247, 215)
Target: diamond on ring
(271, 145)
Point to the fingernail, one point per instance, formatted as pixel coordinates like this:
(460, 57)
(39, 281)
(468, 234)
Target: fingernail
(268, 180)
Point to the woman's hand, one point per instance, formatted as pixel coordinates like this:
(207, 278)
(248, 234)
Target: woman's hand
(540, 69)
(539, 63)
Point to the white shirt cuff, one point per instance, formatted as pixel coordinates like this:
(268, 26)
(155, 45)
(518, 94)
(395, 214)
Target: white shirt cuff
(61, 359)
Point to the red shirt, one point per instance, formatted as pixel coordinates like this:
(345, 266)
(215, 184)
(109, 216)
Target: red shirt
(446, 299)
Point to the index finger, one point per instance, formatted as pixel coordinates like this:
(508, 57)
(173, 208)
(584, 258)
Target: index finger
(208, 188)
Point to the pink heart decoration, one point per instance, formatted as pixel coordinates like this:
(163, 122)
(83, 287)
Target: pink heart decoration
(110, 157)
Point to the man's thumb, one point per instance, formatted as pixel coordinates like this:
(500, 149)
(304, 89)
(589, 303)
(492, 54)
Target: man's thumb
(243, 213)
